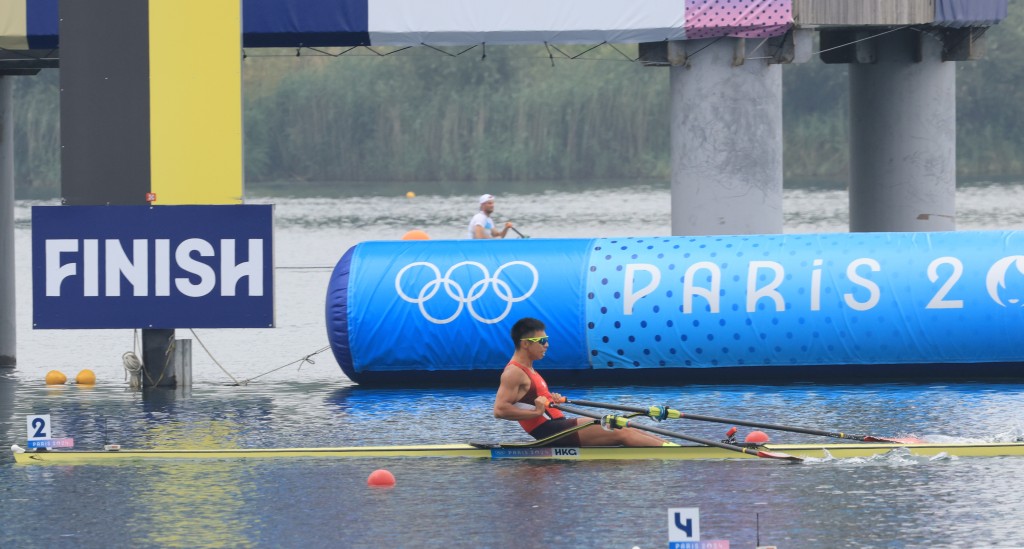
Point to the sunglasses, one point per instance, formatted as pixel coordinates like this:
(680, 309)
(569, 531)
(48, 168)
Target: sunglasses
(541, 340)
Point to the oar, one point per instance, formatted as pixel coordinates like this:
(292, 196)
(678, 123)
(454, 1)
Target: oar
(619, 422)
(543, 441)
(521, 235)
(664, 412)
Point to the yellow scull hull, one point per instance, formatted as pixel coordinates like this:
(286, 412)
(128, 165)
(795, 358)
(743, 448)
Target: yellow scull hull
(837, 450)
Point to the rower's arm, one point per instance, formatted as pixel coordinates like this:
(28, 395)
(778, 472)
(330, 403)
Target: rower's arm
(514, 385)
(479, 232)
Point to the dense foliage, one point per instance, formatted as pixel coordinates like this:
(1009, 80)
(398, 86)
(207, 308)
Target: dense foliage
(518, 114)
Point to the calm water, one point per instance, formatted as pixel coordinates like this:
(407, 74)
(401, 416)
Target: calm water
(896, 501)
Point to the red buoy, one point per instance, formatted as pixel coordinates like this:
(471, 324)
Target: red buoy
(756, 437)
(381, 477)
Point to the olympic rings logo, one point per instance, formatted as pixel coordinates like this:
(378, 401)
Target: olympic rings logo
(465, 299)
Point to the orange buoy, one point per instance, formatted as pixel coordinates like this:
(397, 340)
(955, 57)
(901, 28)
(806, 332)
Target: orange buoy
(410, 194)
(86, 377)
(381, 478)
(415, 234)
(53, 377)
(756, 437)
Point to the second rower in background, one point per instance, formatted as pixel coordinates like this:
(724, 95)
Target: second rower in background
(481, 225)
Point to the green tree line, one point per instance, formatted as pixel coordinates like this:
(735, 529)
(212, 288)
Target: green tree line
(521, 113)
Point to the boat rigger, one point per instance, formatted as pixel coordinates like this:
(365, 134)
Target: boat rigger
(499, 451)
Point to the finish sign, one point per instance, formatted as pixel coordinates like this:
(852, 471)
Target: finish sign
(38, 431)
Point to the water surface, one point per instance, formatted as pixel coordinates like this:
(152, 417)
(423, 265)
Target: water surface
(896, 501)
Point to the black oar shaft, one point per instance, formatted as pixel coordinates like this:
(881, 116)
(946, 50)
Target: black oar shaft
(666, 432)
(729, 421)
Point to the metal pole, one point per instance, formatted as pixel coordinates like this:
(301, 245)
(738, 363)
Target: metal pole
(8, 332)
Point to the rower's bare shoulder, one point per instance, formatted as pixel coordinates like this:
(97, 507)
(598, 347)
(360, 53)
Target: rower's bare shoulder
(511, 371)
(514, 375)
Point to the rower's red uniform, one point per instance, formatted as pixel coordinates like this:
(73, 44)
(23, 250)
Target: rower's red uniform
(538, 387)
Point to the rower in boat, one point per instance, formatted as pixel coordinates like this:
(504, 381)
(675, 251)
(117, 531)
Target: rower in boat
(523, 396)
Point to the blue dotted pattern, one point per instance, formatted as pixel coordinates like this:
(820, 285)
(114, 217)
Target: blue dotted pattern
(900, 327)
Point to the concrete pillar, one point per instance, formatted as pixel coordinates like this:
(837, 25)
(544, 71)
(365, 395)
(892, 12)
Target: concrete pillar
(8, 325)
(726, 139)
(903, 137)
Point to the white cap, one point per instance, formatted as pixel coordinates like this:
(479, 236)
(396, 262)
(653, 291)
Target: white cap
(486, 198)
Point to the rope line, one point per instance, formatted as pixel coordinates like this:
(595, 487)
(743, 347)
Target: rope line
(203, 345)
(302, 360)
(308, 358)
(860, 40)
(350, 51)
(48, 55)
(134, 368)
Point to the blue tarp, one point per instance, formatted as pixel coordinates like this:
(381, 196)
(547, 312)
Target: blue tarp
(969, 13)
(295, 23)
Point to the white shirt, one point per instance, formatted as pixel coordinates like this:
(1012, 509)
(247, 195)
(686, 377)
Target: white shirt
(484, 221)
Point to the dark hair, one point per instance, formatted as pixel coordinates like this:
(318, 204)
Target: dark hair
(523, 326)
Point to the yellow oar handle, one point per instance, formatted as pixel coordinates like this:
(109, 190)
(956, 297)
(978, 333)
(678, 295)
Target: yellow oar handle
(663, 412)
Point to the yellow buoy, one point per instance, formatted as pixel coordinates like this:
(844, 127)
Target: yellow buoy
(86, 377)
(410, 194)
(415, 234)
(53, 377)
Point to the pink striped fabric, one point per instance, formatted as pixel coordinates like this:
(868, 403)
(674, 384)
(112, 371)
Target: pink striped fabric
(738, 18)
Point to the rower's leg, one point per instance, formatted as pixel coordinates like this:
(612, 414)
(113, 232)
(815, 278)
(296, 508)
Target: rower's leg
(596, 436)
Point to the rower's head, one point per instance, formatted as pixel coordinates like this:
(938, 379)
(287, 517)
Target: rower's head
(529, 331)
(487, 203)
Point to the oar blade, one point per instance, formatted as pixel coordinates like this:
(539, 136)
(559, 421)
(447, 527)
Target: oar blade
(898, 440)
(779, 455)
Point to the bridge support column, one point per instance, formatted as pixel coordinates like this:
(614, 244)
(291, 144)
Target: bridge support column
(8, 323)
(726, 139)
(167, 361)
(903, 135)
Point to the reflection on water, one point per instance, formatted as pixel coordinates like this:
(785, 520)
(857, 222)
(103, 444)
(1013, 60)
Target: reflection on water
(457, 502)
(166, 498)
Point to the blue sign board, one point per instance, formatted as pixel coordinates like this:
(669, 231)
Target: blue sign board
(152, 267)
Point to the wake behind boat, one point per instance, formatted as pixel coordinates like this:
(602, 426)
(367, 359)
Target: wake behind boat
(520, 451)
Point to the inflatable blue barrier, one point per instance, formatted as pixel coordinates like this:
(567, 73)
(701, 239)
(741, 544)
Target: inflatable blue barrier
(684, 309)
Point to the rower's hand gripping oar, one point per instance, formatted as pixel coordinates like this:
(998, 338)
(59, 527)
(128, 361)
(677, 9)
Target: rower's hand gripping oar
(619, 422)
(664, 412)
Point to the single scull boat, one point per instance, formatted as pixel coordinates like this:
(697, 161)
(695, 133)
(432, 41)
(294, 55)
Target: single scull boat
(515, 451)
